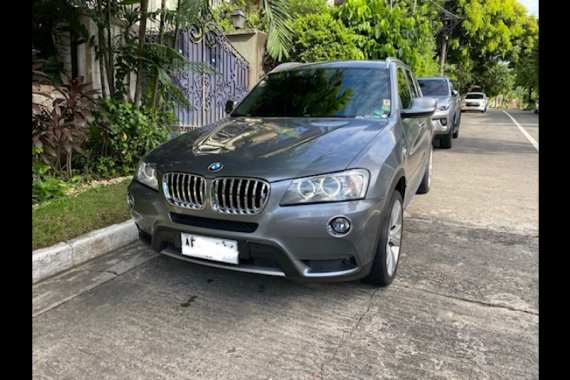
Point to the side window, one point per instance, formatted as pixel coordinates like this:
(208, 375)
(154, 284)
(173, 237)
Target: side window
(413, 85)
(404, 89)
(452, 87)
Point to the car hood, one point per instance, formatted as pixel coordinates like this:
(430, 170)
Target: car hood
(269, 148)
(441, 100)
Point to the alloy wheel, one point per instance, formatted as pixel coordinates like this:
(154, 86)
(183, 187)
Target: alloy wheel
(394, 238)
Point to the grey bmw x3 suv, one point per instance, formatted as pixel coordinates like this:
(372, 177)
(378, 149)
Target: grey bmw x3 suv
(308, 178)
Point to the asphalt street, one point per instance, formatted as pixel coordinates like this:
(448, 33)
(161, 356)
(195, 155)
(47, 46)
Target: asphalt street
(489, 178)
(463, 306)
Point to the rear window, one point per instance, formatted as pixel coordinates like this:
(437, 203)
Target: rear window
(474, 96)
(434, 87)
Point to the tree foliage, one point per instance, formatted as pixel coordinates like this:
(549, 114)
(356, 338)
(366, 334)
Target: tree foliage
(496, 78)
(403, 31)
(461, 73)
(527, 70)
(300, 8)
(319, 37)
(488, 32)
(493, 29)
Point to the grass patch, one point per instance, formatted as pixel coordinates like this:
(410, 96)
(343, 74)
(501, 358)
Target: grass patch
(71, 216)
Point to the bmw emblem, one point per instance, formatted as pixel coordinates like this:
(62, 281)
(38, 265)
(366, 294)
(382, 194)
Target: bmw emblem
(215, 166)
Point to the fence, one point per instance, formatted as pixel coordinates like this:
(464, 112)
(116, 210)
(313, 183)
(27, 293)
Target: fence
(207, 92)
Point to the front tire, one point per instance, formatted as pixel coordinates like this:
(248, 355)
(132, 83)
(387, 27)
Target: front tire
(445, 141)
(385, 264)
(456, 133)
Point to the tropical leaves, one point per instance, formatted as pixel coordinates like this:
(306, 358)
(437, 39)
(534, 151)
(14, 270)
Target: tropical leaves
(279, 33)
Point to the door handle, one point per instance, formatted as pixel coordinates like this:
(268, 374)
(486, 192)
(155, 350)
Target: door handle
(423, 124)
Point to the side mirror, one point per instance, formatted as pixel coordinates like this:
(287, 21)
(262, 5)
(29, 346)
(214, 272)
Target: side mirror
(421, 107)
(229, 106)
(455, 92)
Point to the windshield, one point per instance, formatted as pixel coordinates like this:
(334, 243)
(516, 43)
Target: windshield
(474, 96)
(434, 87)
(330, 92)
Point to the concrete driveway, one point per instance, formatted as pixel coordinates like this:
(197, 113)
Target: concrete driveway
(464, 304)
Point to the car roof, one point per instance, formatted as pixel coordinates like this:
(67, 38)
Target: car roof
(433, 78)
(334, 64)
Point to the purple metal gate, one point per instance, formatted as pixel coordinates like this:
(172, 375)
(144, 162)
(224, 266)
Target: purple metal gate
(207, 93)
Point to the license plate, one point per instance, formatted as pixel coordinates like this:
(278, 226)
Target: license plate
(210, 248)
(473, 104)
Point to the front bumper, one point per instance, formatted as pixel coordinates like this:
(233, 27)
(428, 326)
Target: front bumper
(291, 241)
(441, 122)
(478, 107)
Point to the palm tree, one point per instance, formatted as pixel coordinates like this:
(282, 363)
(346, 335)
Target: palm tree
(278, 27)
(279, 30)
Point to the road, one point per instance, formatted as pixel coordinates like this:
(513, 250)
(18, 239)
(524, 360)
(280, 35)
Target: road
(464, 304)
(489, 178)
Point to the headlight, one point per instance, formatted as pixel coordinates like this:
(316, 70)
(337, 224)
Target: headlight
(334, 187)
(444, 107)
(146, 174)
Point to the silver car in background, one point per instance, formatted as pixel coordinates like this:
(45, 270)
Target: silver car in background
(474, 101)
(308, 178)
(447, 117)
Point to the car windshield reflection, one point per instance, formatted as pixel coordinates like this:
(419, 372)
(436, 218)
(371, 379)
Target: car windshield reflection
(338, 92)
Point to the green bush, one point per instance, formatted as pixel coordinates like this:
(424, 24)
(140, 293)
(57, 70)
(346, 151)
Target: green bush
(122, 134)
(44, 185)
(319, 37)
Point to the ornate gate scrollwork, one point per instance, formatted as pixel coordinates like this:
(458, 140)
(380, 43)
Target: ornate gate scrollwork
(207, 92)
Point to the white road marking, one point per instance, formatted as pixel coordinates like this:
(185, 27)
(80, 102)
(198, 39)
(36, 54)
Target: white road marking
(524, 132)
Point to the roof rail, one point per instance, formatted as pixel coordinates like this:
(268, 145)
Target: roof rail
(389, 60)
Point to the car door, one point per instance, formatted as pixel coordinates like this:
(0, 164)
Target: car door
(413, 130)
(456, 101)
(426, 128)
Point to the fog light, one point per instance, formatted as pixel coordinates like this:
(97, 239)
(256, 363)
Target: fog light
(443, 122)
(339, 226)
(130, 200)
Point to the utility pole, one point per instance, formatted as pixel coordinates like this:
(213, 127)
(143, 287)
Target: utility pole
(443, 54)
(450, 20)
(444, 38)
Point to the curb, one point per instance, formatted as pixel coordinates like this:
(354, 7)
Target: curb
(52, 260)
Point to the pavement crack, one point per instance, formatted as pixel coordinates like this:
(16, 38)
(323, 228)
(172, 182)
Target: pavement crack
(112, 272)
(482, 303)
(345, 337)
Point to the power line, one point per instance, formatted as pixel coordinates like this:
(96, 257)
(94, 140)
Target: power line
(446, 11)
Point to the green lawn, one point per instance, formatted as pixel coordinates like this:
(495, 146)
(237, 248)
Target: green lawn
(69, 217)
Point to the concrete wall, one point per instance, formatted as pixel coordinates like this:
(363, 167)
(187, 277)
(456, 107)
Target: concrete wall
(251, 45)
(88, 65)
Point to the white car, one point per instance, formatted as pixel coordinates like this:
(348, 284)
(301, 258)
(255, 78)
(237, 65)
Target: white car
(474, 101)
